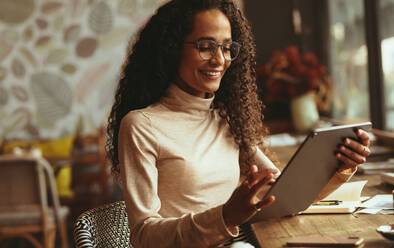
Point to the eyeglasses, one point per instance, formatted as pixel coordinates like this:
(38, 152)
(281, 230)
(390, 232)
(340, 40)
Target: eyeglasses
(207, 49)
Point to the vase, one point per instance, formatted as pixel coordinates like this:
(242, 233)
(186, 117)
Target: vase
(305, 115)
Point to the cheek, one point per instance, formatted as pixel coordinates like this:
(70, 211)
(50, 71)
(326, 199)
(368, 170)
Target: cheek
(228, 64)
(190, 63)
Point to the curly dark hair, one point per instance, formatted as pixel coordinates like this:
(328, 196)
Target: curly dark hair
(153, 62)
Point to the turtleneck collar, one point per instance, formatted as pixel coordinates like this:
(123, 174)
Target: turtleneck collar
(179, 100)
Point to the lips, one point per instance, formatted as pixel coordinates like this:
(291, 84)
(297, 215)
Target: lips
(211, 74)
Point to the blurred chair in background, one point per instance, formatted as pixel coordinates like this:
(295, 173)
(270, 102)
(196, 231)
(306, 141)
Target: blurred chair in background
(25, 184)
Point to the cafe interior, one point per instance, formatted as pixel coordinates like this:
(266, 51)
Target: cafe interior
(320, 64)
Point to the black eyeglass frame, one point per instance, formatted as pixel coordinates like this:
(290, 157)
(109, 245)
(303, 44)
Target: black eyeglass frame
(217, 45)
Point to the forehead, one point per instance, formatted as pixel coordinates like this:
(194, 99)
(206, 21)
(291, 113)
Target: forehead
(211, 23)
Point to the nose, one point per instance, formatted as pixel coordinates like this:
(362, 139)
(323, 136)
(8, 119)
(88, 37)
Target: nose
(218, 58)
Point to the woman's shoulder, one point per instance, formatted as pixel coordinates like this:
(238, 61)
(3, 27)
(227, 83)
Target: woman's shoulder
(141, 118)
(135, 118)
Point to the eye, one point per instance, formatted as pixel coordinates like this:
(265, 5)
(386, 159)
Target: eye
(207, 45)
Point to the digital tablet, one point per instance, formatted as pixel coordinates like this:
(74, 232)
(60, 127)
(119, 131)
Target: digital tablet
(308, 171)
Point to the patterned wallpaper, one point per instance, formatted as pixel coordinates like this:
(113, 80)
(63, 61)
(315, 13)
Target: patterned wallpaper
(60, 60)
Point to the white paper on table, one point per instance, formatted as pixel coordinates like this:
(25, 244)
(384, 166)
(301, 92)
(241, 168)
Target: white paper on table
(348, 191)
(368, 211)
(384, 201)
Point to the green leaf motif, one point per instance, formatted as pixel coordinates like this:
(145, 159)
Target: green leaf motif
(56, 56)
(101, 18)
(3, 96)
(52, 95)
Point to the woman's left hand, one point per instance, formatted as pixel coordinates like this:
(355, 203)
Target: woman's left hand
(352, 153)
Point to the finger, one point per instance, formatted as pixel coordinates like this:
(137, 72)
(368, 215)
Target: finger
(347, 162)
(357, 157)
(257, 174)
(257, 187)
(364, 136)
(357, 147)
(265, 202)
(253, 175)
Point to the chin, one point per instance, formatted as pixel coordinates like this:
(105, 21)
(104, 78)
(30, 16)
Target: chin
(212, 88)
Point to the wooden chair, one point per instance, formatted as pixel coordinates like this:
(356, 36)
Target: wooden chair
(24, 209)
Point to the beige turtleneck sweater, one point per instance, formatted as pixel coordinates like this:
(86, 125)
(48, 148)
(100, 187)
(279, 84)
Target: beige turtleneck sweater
(179, 165)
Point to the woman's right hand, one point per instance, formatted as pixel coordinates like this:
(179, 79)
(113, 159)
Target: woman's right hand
(242, 204)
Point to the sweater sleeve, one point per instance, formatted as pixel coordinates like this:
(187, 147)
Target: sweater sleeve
(138, 153)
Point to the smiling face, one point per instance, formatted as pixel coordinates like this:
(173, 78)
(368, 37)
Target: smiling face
(201, 77)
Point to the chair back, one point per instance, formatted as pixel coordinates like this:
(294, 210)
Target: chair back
(24, 181)
(19, 183)
(27, 184)
(105, 226)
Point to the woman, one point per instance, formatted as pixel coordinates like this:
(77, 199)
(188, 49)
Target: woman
(186, 121)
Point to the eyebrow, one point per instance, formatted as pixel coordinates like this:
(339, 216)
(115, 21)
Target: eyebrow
(213, 39)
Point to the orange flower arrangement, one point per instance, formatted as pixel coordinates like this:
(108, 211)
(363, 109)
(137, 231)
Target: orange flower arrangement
(289, 74)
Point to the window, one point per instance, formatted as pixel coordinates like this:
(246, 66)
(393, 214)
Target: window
(386, 25)
(348, 59)
(353, 33)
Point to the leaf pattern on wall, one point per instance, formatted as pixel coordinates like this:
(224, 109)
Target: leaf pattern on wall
(69, 68)
(56, 56)
(71, 33)
(41, 23)
(12, 36)
(100, 18)
(19, 93)
(77, 7)
(52, 95)
(5, 48)
(18, 69)
(44, 43)
(95, 30)
(86, 47)
(90, 80)
(58, 23)
(17, 120)
(127, 7)
(28, 34)
(43, 122)
(3, 96)
(3, 73)
(107, 92)
(149, 4)
(50, 7)
(15, 12)
(114, 38)
(29, 57)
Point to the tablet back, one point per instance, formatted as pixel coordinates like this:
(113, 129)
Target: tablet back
(307, 172)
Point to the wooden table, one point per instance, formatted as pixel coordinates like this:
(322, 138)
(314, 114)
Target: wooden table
(276, 232)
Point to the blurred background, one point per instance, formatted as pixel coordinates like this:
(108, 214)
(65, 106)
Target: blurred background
(333, 60)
